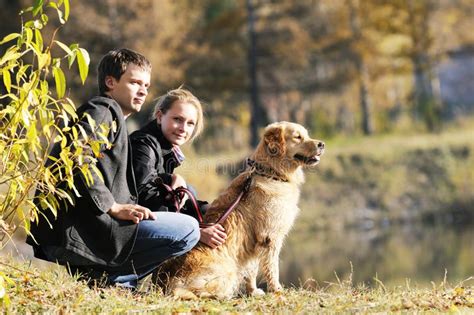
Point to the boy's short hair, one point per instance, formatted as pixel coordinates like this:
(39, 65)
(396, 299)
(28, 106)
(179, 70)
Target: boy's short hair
(115, 63)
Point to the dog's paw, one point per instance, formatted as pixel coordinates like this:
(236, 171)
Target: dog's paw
(275, 288)
(183, 294)
(257, 292)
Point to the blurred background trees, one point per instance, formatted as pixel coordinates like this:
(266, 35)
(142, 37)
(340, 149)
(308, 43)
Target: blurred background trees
(341, 68)
(338, 67)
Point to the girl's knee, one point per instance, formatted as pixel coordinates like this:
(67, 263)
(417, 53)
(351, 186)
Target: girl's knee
(192, 234)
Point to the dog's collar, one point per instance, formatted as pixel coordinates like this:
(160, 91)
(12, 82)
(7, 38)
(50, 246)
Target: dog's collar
(265, 171)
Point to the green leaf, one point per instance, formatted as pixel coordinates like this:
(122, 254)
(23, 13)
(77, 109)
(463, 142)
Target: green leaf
(56, 62)
(83, 133)
(86, 173)
(66, 9)
(43, 60)
(25, 114)
(39, 39)
(9, 37)
(25, 220)
(37, 7)
(72, 58)
(54, 5)
(83, 61)
(44, 86)
(95, 146)
(21, 73)
(65, 195)
(74, 133)
(90, 121)
(60, 81)
(44, 19)
(65, 119)
(63, 142)
(28, 35)
(46, 204)
(70, 109)
(97, 171)
(7, 80)
(10, 95)
(11, 54)
(65, 48)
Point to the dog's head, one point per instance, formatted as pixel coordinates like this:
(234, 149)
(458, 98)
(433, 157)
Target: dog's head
(290, 142)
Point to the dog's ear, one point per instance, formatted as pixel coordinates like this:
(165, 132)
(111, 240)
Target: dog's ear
(274, 141)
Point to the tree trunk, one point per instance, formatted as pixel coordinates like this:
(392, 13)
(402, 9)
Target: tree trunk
(115, 35)
(424, 98)
(258, 114)
(365, 103)
(364, 99)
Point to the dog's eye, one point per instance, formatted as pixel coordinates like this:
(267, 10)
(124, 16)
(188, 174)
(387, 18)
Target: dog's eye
(298, 137)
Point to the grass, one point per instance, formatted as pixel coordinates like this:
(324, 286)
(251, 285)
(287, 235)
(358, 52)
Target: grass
(52, 290)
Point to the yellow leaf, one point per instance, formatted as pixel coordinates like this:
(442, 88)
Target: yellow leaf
(459, 291)
(65, 119)
(63, 142)
(70, 109)
(453, 309)
(9, 37)
(83, 61)
(60, 81)
(114, 126)
(11, 54)
(97, 171)
(26, 117)
(83, 132)
(2, 288)
(43, 60)
(7, 81)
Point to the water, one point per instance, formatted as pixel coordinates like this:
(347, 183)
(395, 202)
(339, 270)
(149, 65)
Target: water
(421, 253)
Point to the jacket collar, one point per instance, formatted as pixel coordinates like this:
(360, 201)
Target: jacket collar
(170, 158)
(154, 129)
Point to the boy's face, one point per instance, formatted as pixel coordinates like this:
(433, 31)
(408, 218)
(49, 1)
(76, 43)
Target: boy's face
(131, 90)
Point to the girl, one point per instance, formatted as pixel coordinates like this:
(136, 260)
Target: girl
(177, 119)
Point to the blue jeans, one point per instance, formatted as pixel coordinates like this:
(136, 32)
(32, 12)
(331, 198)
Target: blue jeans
(169, 235)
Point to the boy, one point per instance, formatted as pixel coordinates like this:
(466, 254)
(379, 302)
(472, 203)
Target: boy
(106, 231)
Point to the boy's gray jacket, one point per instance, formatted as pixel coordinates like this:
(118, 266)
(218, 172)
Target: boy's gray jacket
(84, 231)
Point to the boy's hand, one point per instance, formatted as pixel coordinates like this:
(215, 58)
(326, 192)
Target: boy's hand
(134, 213)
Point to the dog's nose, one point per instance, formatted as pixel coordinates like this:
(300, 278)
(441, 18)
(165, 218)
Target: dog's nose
(320, 145)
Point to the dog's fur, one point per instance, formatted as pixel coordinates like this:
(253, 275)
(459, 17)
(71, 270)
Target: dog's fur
(257, 226)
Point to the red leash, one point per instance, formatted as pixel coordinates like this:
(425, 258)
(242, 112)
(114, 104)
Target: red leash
(179, 193)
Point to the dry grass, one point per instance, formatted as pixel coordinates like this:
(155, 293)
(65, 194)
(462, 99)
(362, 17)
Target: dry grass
(54, 291)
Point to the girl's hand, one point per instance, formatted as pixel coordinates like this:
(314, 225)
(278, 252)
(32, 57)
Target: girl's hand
(178, 181)
(213, 236)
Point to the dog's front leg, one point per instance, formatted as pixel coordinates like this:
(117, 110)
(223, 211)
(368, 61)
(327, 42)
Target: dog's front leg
(250, 279)
(270, 265)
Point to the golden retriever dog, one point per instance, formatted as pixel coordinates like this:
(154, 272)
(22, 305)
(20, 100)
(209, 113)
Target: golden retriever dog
(256, 227)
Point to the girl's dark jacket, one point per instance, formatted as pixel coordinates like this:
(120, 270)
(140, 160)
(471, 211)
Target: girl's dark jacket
(84, 232)
(153, 161)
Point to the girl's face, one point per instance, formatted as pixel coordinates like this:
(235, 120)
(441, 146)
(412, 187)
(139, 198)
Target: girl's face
(178, 123)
